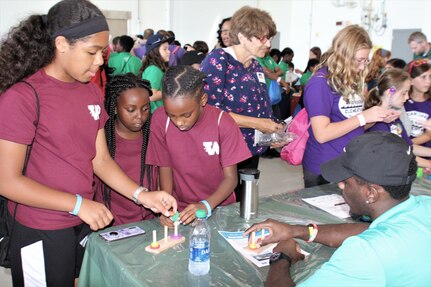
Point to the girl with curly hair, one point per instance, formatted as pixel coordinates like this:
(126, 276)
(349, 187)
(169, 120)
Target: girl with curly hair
(51, 207)
(334, 100)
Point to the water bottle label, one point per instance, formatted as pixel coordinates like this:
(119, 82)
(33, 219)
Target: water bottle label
(200, 252)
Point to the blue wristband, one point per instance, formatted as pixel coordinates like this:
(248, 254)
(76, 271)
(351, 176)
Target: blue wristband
(207, 205)
(77, 205)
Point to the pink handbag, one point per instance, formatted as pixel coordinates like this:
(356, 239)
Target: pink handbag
(294, 151)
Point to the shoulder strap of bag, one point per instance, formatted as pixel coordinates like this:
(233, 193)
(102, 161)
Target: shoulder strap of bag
(30, 147)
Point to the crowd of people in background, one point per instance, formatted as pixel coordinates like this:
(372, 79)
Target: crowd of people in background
(180, 121)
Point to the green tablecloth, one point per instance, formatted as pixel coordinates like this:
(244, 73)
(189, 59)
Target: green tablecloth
(126, 263)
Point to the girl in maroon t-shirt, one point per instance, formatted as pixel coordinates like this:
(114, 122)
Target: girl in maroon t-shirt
(196, 146)
(127, 130)
(51, 207)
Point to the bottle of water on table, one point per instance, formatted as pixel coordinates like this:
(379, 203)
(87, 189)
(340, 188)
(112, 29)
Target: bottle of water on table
(200, 235)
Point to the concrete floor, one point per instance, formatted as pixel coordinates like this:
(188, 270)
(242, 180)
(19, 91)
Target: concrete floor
(276, 177)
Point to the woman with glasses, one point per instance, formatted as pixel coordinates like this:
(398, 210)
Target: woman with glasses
(418, 107)
(334, 100)
(235, 81)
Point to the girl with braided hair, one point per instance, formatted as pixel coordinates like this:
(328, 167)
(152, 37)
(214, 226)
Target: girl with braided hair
(51, 207)
(127, 130)
(195, 145)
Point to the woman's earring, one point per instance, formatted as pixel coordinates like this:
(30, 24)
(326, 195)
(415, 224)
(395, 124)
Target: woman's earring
(367, 202)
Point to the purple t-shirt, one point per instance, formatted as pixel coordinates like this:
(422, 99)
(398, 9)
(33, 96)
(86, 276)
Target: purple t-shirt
(71, 115)
(417, 112)
(234, 88)
(128, 157)
(395, 127)
(176, 53)
(321, 100)
(197, 156)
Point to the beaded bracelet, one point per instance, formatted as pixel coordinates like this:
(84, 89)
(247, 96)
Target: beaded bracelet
(313, 230)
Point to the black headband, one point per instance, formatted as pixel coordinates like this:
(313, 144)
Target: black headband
(84, 28)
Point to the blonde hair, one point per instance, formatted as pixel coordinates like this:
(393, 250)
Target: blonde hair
(342, 76)
(251, 22)
(378, 62)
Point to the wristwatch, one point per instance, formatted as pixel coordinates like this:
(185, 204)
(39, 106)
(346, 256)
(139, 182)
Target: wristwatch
(276, 256)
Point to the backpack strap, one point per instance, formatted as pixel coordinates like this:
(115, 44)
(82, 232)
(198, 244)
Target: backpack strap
(29, 149)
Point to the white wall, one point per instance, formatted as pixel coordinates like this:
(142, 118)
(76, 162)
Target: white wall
(302, 23)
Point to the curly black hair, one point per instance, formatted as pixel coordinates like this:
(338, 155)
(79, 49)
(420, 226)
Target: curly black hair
(114, 89)
(29, 47)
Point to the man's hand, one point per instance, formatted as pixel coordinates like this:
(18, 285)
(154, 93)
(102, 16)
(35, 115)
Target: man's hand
(291, 248)
(278, 231)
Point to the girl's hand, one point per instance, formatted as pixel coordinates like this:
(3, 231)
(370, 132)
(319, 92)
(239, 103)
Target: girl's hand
(95, 214)
(379, 114)
(426, 124)
(166, 221)
(189, 213)
(158, 201)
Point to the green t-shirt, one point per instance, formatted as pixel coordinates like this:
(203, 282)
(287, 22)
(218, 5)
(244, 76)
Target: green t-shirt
(305, 77)
(154, 75)
(269, 63)
(284, 67)
(124, 63)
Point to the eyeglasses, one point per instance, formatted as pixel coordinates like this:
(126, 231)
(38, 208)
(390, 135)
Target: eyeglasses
(263, 39)
(224, 31)
(418, 63)
(365, 61)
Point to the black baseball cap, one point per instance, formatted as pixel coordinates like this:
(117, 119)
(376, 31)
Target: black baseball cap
(378, 157)
(192, 57)
(155, 41)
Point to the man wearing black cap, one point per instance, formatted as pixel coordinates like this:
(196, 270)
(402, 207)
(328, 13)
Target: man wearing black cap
(375, 173)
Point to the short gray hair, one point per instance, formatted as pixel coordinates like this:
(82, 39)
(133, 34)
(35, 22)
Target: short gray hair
(418, 37)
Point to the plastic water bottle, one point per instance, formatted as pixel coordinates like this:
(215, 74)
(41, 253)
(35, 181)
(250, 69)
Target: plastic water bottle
(200, 235)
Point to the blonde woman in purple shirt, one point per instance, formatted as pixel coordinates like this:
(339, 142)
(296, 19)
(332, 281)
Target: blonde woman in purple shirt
(334, 99)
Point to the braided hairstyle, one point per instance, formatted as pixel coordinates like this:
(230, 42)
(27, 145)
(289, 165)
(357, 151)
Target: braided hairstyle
(29, 47)
(114, 89)
(180, 81)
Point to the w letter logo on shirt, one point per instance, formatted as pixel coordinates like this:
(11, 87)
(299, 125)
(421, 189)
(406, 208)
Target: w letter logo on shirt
(211, 148)
(94, 111)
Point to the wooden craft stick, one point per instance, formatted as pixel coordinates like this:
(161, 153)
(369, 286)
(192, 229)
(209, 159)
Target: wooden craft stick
(154, 244)
(166, 233)
(165, 244)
